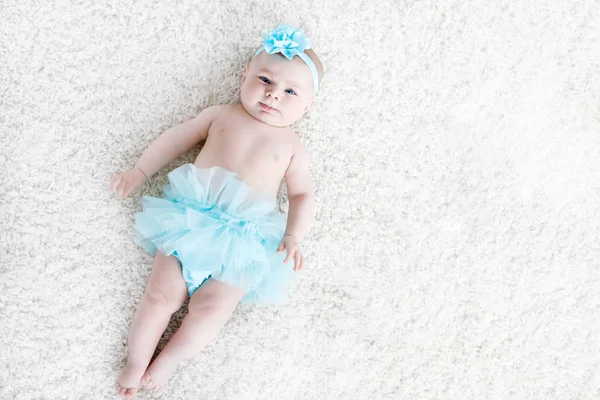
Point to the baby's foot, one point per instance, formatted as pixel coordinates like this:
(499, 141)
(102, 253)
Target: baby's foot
(148, 383)
(129, 381)
(156, 375)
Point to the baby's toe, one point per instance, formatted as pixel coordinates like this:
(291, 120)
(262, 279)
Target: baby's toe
(146, 381)
(130, 393)
(126, 393)
(148, 384)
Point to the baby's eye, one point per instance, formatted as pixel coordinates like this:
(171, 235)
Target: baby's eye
(265, 80)
(290, 91)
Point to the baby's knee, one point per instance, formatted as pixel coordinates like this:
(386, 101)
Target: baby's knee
(209, 306)
(212, 307)
(203, 304)
(157, 297)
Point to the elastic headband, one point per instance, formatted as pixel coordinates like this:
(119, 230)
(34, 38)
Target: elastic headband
(290, 42)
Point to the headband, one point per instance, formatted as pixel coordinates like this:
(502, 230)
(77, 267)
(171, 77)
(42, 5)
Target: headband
(290, 42)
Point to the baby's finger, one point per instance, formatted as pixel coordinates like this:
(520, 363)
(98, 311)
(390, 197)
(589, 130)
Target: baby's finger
(114, 182)
(128, 189)
(280, 247)
(122, 189)
(296, 260)
(287, 258)
(301, 263)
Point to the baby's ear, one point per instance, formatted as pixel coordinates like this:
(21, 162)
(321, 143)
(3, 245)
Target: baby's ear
(245, 72)
(308, 107)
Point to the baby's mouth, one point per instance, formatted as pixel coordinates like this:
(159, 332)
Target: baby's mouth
(266, 107)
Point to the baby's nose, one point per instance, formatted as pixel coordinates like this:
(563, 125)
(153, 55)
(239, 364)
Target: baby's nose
(273, 93)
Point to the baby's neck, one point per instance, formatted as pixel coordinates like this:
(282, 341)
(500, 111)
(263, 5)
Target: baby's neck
(260, 124)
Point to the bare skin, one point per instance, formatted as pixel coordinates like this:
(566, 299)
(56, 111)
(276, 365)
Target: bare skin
(252, 139)
(258, 153)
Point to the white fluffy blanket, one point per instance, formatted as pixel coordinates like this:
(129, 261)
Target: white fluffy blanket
(455, 154)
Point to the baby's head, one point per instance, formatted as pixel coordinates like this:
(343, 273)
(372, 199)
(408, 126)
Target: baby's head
(280, 82)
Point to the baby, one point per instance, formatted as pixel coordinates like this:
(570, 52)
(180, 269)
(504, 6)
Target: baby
(216, 235)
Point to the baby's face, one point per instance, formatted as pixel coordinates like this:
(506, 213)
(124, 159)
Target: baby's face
(275, 90)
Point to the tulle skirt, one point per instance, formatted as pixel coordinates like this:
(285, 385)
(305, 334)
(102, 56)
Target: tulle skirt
(218, 227)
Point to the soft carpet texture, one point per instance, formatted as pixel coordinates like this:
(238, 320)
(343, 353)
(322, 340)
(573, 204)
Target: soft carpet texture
(455, 155)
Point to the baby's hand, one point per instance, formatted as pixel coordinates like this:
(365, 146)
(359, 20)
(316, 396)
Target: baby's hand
(125, 183)
(292, 246)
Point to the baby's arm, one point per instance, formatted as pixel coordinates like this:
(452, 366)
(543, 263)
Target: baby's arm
(301, 195)
(170, 145)
(176, 141)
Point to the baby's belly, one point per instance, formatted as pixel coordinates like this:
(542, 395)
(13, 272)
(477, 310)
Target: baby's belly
(253, 173)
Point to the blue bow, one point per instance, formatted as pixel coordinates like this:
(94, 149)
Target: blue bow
(286, 40)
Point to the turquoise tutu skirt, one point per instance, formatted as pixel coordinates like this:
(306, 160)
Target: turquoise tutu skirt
(218, 227)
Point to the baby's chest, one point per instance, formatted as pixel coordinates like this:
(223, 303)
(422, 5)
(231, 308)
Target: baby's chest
(250, 145)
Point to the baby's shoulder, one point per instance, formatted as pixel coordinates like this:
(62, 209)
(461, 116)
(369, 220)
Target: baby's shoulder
(297, 147)
(227, 112)
(219, 109)
(219, 114)
(294, 138)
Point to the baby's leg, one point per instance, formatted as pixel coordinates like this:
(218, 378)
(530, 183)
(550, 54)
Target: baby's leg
(209, 308)
(165, 293)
